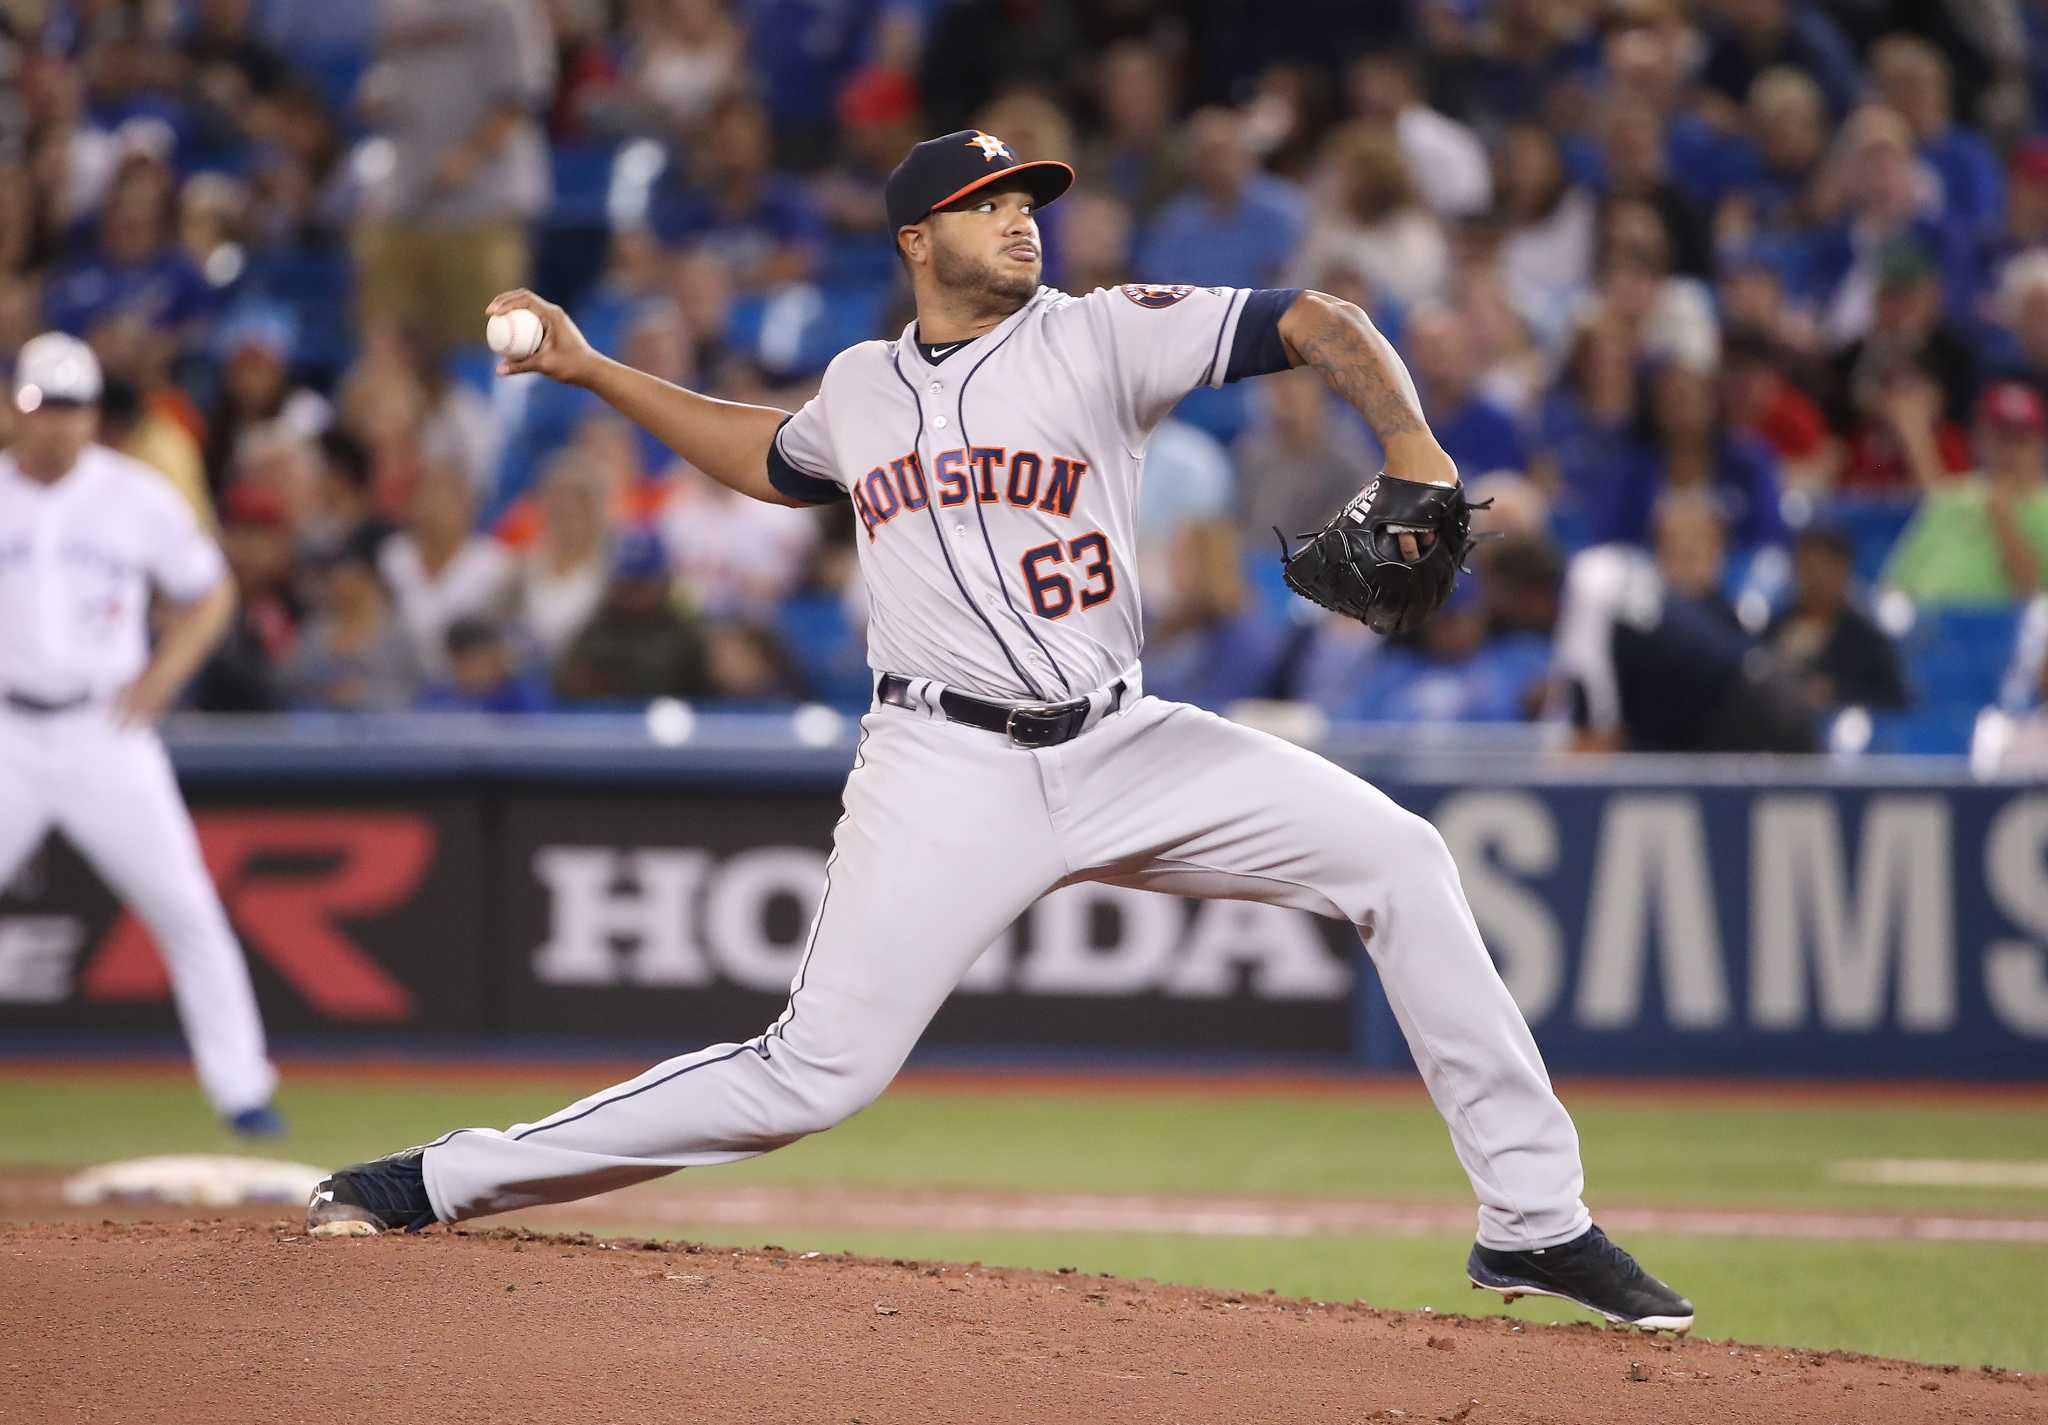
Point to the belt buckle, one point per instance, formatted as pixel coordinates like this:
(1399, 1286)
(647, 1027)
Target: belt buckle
(1038, 725)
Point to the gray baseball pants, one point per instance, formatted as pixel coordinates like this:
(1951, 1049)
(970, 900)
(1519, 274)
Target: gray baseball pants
(950, 833)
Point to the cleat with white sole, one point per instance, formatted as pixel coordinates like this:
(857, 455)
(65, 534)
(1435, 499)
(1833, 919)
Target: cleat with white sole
(364, 1199)
(1589, 1271)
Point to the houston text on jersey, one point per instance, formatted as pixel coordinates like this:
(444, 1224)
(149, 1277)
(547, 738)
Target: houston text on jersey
(992, 474)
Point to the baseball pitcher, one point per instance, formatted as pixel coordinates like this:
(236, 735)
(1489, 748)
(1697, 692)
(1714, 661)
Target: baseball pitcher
(992, 455)
(84, 535)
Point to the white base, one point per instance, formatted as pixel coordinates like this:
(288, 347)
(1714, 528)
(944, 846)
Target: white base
(194, 1180)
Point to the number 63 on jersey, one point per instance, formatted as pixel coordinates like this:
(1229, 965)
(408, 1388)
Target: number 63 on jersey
(1055, 592)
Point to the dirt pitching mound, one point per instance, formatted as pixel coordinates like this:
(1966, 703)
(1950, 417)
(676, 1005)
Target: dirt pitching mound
(232, 1320)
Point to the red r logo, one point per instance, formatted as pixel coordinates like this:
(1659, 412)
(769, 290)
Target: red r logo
(290, 918)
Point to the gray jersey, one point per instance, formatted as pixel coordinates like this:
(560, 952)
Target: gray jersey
(996, 490)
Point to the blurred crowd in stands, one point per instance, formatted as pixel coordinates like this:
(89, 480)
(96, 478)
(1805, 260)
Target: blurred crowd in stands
(1738, 310)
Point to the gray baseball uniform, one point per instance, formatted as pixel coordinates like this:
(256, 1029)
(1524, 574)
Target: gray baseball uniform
(995, 484)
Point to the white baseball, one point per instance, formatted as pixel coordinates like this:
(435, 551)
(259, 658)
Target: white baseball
(515, 334)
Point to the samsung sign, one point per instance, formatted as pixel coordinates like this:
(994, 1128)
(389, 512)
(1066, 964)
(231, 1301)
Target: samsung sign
(1897, 930)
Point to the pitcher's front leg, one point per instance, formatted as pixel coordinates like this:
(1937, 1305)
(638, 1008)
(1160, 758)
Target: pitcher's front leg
(1244, 815)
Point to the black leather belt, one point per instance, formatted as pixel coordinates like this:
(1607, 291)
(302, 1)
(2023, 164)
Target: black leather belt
(42, 707)
(1032, 725)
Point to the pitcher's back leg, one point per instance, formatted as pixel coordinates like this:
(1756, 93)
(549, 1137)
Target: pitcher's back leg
(944, 842)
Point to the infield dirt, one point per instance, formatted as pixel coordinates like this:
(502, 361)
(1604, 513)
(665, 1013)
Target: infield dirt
(232, 1320)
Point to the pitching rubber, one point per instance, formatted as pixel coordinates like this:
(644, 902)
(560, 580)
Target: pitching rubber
(345, 1227)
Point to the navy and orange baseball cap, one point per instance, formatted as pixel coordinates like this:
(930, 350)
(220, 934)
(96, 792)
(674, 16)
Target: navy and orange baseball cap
(946, 169)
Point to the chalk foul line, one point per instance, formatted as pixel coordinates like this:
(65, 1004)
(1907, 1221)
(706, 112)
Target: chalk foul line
(876, 1210)
(1942, 1172)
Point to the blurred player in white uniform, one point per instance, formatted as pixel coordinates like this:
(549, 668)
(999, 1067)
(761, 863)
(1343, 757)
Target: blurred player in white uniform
(85, 534)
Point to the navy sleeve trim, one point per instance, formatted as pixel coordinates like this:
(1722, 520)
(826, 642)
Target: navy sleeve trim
(795, 483)
(1257, 350)
(1230, 308)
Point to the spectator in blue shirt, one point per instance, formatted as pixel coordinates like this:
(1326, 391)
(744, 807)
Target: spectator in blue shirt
(1785, 138)
(1913, 78)
(1684, 445)
(1583, 426)
(1188, 480)
(802, 51)
(1486, 59)
(761, 222)
(1649, 55)
(1141, 155)
(135, 268)
(1754, 35)
(1634, 163)
(1214, 646)
(1475, 432)
(1234, 227)
(483, 674)
(1449, 670)
(1880, 192)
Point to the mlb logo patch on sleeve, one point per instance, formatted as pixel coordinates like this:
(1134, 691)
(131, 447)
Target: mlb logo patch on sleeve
(1152, 294)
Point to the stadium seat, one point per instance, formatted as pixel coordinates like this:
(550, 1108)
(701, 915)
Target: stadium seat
(1935, 731)
(1956, 658)
(859, 261)
(473, 365)
(824, 643)
(1873, 526)
(315, 286)
(1263, 576)
(568, 260)
(796, 330)
(583, 178)
(336, 73)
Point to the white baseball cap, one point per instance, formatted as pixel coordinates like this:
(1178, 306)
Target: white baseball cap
(55, 367)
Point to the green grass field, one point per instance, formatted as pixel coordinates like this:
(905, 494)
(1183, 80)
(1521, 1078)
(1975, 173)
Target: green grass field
(1964, 1303)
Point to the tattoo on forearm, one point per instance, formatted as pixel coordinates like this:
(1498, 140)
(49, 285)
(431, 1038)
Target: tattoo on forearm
(1363, 368)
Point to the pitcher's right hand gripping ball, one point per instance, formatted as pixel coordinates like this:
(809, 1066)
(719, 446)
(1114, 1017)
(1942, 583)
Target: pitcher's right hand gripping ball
(562, 353)
(1354, 564)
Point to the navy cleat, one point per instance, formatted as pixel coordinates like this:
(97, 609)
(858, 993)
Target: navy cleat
(1590, 1271)
(386, 1194)
(259, 1122)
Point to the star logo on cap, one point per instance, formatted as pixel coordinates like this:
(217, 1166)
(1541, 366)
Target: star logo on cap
(992, 148)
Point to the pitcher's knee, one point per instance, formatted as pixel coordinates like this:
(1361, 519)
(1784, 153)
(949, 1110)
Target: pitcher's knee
(1405, 856)
(823, 1096)
(1417, 847)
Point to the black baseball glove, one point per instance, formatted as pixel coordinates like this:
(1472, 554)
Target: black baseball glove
(1353, 564)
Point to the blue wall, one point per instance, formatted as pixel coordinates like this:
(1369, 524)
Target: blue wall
(1774, 916)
